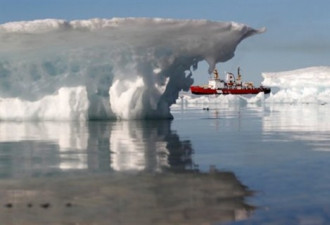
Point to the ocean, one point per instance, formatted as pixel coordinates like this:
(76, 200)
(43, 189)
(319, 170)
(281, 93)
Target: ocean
(211, 164)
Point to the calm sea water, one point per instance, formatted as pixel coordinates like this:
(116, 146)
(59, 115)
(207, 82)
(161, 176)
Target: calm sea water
(229, 164)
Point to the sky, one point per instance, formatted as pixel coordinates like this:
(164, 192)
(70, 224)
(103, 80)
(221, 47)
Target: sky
(297, 35)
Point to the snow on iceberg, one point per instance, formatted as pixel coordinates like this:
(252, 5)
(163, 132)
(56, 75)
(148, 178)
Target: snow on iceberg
(129, 67)
(307, 85)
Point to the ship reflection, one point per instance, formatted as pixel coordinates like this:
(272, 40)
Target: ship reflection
(126, 172)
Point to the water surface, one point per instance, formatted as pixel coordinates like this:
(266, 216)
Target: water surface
(242, 164)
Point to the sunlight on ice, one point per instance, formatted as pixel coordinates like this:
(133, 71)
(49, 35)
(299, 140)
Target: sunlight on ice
(306, 85)
(66, 104)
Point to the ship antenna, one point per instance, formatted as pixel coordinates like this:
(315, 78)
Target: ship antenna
(238, 73)
(216, 74)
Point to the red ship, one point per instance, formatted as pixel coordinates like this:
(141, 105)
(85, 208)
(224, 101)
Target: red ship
(230, 86)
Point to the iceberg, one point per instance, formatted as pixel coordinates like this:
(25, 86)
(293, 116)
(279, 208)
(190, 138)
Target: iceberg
(306, 85)
(119, 68)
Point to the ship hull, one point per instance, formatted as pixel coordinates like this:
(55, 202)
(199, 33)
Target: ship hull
(199, 90)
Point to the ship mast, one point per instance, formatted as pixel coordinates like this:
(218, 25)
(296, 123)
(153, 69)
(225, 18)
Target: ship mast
(239, 76)
(216, 74)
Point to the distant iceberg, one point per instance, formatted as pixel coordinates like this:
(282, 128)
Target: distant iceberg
(125, 68)
(302, 86)
(307, 85)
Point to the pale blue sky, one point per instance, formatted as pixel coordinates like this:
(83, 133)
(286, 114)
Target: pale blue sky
(297, 36)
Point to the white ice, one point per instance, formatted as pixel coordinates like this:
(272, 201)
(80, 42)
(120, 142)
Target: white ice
(306, 85)
(66, 104)
(126, 68)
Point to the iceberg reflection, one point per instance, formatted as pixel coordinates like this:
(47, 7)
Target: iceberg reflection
(136, 172)
(148, 145)
(121, 198)
(48, 147)
(42, 148)
(307, 122)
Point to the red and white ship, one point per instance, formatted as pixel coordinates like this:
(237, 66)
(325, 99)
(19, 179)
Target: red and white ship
(232, 85)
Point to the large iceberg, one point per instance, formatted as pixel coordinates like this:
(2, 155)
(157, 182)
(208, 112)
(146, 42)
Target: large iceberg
(306, 85)
(123, 68)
